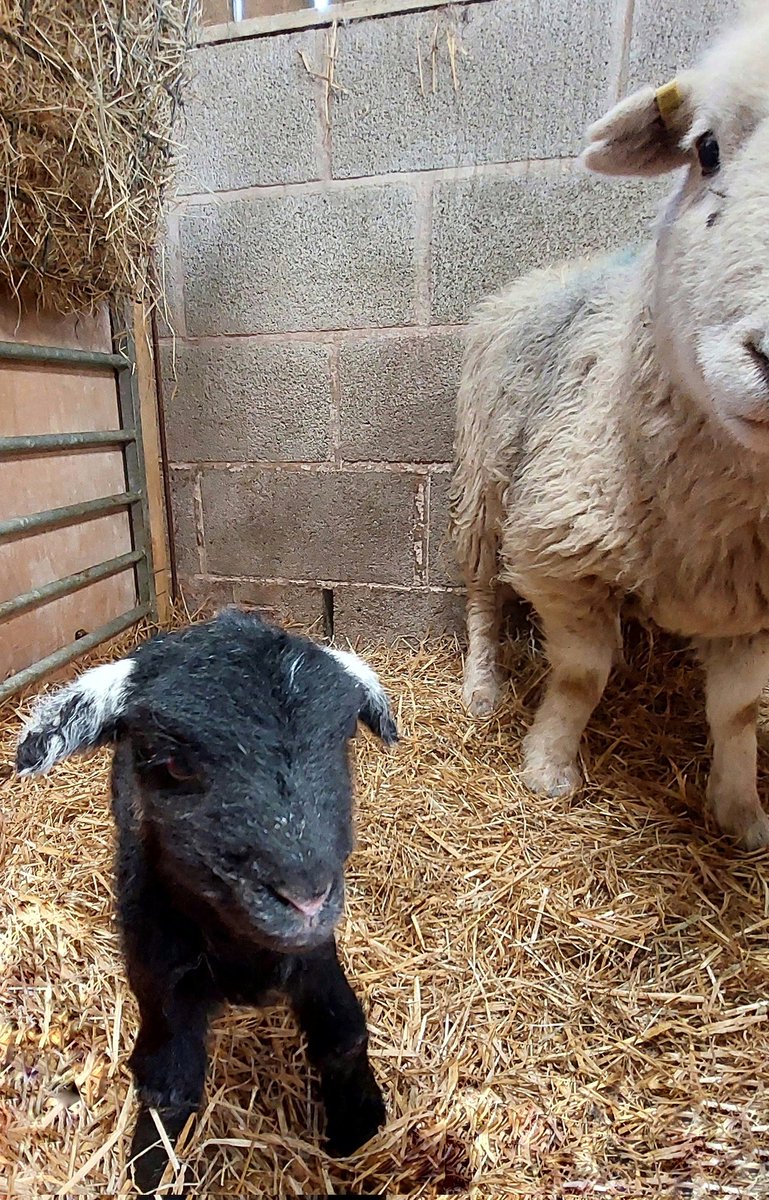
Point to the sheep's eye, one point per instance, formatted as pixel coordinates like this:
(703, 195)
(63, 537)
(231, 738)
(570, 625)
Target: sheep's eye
(708, 153)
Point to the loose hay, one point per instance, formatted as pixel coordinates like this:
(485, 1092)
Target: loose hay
(88, 98)
(565, 997)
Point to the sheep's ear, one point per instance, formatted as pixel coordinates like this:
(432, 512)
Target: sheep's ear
(643, 134)
(77, 717)
(375, 711)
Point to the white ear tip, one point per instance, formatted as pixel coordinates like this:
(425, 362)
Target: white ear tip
(590, 156)
(76, 717)
(354, 665)
(375, 712)
(593, 131)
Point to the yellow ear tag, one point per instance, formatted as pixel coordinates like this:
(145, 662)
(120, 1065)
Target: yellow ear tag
(668, 99)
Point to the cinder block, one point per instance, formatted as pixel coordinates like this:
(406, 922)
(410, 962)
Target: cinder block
(398, 397)
(289, 605)
(203, 598)
(298, 524)
(528, 76)
(269, 8)
(337, 260)
(442, 565)
(668, 40)
(370, 615)
(183, 512)
(213, 12)
(238, 401)
(491, 229)
(250, 116)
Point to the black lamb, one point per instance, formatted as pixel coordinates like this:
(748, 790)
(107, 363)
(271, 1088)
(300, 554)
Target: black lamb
(232, 796)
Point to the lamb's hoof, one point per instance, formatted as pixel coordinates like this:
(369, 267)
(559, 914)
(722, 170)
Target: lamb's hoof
(148, 1155)
(544, 777)
(354, 1121)
(482, 697)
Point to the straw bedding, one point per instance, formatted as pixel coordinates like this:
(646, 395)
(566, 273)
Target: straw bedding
(565, 997)
(89, 94)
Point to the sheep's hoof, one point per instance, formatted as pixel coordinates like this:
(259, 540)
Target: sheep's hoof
(751, 832)
(739, 818)
(756, 836)
(482, 697)
(547, 778)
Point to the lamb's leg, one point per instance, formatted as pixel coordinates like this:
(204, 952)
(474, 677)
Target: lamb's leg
(168, 1064)
(581, 647)
(332, 1019)
(482, 684)
(736, 672)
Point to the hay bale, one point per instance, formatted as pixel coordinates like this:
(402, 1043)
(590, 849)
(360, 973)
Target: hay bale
(89, 94)
(566, 997)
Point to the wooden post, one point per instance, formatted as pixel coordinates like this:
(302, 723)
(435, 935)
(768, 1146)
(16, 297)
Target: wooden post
(158, 530)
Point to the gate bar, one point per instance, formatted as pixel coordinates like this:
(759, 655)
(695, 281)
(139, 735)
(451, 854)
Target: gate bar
(60, 658)
(50, 443)
(54, 356)
(39, 596)
(55, 518)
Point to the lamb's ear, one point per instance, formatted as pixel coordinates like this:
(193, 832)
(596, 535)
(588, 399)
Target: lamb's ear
(375, 711)
(643, 134)
(77, 717)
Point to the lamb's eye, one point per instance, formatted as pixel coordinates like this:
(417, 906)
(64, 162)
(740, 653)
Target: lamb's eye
(708, 153)
(239, 858)
(169, 772)
(179, 770)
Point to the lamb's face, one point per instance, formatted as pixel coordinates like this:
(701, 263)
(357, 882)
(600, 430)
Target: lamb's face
(712, 284)
(246, 800)
(710, 307)
(233, 756)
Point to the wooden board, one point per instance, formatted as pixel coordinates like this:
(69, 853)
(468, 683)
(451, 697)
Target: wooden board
(153, 461)
(308, 17)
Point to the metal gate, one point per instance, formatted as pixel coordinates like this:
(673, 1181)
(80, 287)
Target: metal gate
(133, 499)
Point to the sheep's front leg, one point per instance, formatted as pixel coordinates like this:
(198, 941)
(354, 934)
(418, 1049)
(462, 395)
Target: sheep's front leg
(581, 647)
(736, 672)
(168, 1064)
(332, 1019)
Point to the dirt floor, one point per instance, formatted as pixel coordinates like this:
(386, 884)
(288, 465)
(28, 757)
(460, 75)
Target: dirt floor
(566, 998)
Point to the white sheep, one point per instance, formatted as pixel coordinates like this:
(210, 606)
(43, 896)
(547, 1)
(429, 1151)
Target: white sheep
(613, 433)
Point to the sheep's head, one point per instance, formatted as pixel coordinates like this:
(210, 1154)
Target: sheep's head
(232, 757)
(711, 302)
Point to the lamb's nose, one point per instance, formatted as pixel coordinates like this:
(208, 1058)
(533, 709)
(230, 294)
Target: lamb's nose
(308, 907)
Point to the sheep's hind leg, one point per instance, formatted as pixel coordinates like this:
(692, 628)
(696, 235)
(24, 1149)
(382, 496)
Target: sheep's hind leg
(581, 647)
(479, 556)
(332, 1019)
(736, 672)
(482, 687)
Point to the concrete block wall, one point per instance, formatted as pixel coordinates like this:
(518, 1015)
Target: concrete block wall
(347, 196)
